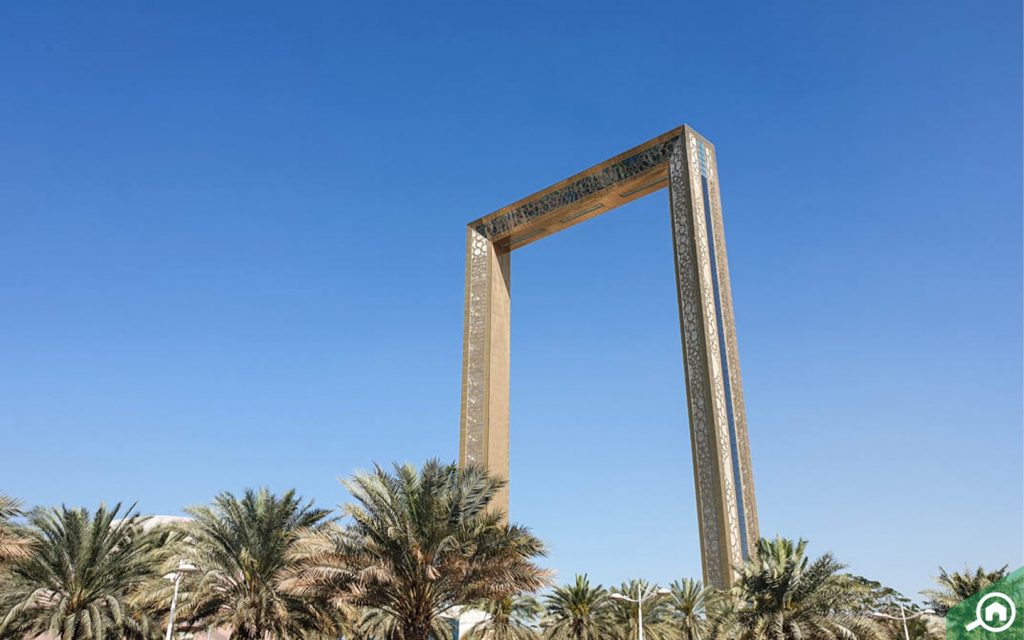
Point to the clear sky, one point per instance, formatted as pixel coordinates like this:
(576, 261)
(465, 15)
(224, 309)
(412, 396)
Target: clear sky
(231, 254)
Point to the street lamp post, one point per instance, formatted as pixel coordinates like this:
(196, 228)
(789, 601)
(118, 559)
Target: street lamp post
(183, 568)
(640, 599)
(903, 617)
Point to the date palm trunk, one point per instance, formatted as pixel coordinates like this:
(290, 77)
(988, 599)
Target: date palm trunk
(416, 630)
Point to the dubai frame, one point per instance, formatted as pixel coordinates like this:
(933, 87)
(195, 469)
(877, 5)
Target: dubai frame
(683, 161)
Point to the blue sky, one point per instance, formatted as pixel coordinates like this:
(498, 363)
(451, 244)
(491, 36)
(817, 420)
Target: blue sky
(231, 254)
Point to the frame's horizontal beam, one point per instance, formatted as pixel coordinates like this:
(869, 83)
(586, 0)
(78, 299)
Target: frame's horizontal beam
(612, 183)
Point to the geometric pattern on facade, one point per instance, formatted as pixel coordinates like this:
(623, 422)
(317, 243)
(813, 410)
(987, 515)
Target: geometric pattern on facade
(684, 162)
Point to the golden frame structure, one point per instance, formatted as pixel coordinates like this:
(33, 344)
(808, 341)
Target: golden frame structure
(684, 162)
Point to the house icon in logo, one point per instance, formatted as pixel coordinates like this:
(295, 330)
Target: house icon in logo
(996, 612)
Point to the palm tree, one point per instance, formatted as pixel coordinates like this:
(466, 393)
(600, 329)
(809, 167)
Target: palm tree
(958, 586)
(79, 581)
(242, 551)
(377, 624)
(418, 544)
(655, 610)
(578, 611)
(13, 544)
(688, 606)
(511, 618)
(784, 596)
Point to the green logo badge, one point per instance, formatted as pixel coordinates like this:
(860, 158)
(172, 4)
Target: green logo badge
(993, 613)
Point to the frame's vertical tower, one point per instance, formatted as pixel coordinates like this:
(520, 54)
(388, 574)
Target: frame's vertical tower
(718, 429)
(486, 342)
(684, 162)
